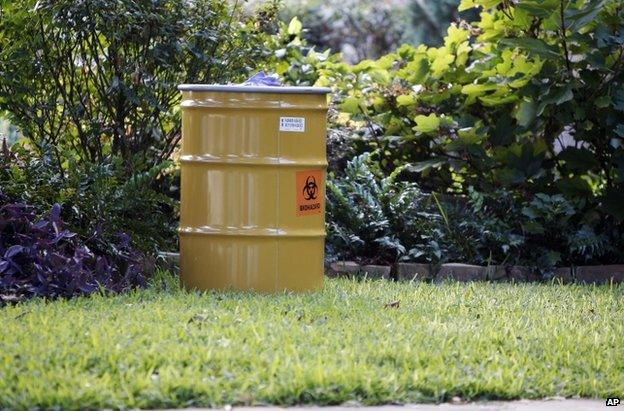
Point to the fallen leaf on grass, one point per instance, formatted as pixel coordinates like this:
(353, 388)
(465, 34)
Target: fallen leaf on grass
(197, 318)
(20, 315)
(392, 304)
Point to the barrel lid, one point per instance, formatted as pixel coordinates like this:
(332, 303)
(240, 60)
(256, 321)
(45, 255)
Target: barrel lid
(239, 88)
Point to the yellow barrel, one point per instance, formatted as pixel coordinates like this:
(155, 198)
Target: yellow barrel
(252, 206)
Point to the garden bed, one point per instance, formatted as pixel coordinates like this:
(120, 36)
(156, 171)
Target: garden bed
(596, 274)
(371, 342)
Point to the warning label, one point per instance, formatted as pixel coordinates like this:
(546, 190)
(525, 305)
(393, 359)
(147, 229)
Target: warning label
(294, 124)
(309, 192)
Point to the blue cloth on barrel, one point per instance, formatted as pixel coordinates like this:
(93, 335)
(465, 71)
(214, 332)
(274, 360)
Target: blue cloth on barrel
(262, 79)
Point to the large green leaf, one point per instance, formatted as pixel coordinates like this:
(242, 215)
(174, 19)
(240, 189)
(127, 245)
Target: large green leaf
(294, 27)
(577, 19)
(498, 99)
(558, 96)
(539, 8)
(503, 132)
(351, 105)
(427, 124)
(579, 159)
(527, 159)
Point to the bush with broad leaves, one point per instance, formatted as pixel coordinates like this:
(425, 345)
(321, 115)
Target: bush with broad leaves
(521, 111)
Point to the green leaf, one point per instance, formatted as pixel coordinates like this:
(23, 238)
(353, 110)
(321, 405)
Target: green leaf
(380, 76)
(581, 18)
(533, 46)
(527, 159)
(486, 4)
(442, 59)
(406, 100)
(538, 8)
(503, 132)
(525, 113)
(418, 69)
(603, 101)
(455, 36)
(351, 105)
(364, 66)
(579, 159)
(498, 99)
(574, 187)
(477, 90)
(510, 176)
(559, 96)
(421, 166)
(466, 5)
(294, 27)
(427, 124)
(533, 227)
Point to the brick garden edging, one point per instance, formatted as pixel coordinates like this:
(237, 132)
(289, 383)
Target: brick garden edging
(602, 274)
(591, 274)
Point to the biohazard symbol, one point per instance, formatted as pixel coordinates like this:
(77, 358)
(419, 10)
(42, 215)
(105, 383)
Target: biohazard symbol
(310, 189)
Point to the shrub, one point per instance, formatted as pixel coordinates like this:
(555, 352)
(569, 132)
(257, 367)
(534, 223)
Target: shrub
(523, 109)
(95, 199)
(95, 79)
(39, 257)
(376, 219)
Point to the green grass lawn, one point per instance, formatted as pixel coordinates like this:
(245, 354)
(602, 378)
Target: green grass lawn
(168, 348)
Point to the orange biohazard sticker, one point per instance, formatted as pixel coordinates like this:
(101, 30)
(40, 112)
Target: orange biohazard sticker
(309, 192)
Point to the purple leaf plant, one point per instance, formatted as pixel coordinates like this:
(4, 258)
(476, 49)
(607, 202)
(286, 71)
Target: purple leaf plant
(39, 257)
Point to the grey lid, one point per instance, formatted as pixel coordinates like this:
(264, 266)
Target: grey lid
(239, 88)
